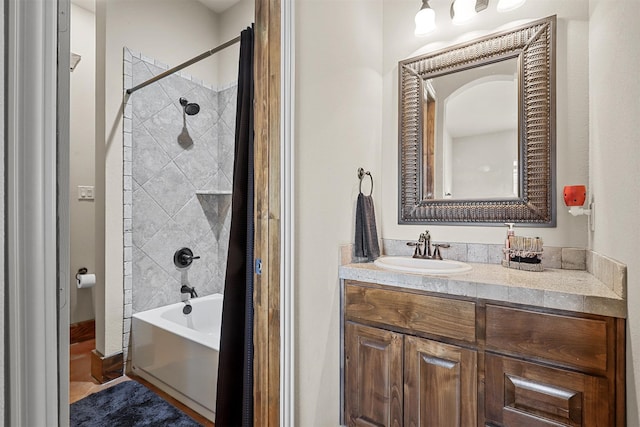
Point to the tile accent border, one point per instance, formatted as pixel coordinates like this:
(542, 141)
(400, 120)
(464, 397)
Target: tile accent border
(609, 271)
(553, 257)
(127, 209)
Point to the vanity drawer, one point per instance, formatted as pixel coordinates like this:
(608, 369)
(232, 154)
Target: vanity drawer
(570, 341)
(520, 393)
(419, 313)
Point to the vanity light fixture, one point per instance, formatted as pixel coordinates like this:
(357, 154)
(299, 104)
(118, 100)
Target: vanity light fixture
(463, 11)
(425, 20)
(507, 5)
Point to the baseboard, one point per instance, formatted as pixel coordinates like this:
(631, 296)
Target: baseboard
(82, 331)
(105, 369)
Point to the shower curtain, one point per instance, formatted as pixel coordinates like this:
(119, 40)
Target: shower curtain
(234, 401)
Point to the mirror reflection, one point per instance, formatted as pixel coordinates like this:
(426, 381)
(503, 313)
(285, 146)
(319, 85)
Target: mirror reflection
(475, 133)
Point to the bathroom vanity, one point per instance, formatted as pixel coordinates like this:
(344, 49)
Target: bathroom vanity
(491, 347)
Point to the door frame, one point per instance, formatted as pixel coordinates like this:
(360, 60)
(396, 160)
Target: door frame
(274, 220)
(32, 387)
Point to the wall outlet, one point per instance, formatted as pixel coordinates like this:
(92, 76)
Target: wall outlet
(85, 192)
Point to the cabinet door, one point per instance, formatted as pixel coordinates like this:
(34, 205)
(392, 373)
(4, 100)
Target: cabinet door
(373, 376)
(440, 384)
(519, 393)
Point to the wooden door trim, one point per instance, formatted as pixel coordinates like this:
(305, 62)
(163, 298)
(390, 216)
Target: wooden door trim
(266, 296)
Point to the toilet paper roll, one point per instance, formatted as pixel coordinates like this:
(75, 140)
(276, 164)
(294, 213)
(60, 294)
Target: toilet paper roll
(85, 280)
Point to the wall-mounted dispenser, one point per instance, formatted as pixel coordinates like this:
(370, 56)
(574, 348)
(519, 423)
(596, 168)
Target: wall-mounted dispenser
(85, 280)
(574, 198)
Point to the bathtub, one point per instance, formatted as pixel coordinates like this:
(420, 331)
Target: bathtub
(178, 353)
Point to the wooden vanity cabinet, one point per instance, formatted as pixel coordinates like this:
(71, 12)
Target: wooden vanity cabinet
(552, 369)
(373, 376)
(394, 379)
(440, 387)
(413, 359)
(520, 393)
(399, 379)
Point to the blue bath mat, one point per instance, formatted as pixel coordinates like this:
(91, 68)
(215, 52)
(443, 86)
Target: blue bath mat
(127, 404)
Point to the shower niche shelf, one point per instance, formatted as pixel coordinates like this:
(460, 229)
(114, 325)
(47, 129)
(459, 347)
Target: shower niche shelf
(216, 205)
(213, 192)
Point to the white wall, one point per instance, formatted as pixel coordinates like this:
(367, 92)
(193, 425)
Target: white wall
(338, 127)
(171, 32)
(614, 157)
(82, 159)
(572, 108)
(483, 165)
(232, 21)
(346, 116)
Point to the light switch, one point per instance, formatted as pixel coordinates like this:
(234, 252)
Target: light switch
(85, 192)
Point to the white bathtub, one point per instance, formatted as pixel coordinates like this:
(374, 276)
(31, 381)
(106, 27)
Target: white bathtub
(178, 353)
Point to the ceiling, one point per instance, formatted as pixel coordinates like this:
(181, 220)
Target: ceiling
(218, 6)
(89, 5)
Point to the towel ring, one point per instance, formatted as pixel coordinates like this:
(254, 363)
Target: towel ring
(361, 175)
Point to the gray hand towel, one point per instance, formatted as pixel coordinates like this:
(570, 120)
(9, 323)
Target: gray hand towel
(366, 233)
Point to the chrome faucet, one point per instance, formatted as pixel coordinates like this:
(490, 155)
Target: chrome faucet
(427, 242)
(423, 247)
(417, 253)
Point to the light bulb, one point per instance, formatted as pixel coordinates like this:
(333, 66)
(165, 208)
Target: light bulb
(463, 11)
(507, 5)
(425, 20)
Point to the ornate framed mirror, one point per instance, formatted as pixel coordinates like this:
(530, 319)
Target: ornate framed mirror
(477, 131)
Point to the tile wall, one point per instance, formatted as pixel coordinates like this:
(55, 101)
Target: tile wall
(172, 164)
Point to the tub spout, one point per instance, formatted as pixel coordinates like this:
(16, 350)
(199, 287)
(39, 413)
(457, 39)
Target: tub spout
(184, 290)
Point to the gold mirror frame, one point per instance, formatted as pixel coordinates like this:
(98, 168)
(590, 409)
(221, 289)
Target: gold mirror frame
(534, 46)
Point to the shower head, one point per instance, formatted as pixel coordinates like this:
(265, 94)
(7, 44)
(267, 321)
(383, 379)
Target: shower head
(191, 108)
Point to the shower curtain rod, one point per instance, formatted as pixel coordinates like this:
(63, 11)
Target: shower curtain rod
(183, 65)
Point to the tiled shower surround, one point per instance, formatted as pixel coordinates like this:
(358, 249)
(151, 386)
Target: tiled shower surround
(172, 164)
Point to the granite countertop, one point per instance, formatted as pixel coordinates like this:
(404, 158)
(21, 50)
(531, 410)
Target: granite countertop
(571, 290)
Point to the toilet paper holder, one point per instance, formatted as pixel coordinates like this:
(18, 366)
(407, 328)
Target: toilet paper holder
(81, 270)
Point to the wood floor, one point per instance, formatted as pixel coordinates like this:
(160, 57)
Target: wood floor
(82, 384)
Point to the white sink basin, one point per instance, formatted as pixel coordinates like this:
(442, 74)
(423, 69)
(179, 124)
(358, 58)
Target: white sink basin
(421, 266)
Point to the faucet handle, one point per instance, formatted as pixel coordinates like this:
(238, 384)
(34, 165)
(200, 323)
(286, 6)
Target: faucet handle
(183, 258)
(436, 249)
(416, 253)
